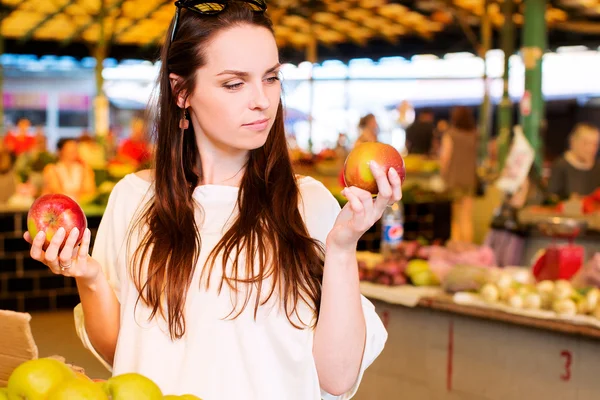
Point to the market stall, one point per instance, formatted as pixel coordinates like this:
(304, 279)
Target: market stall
(442, 350)
(478, 332)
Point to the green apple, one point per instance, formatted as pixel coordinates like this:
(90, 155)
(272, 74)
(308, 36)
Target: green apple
(132, 386)
(182, 397)
(34, 379)
(424, 278)
(416, 266)
(79, 389)
(3, 394)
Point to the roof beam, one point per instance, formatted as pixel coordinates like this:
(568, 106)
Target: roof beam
(29, 34)
(91, 22)
(135, 21)
(6, 10)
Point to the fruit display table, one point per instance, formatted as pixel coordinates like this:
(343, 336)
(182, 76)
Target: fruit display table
(26, 284)
(438, 349)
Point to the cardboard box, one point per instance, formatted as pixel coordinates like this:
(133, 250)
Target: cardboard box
(17, 344)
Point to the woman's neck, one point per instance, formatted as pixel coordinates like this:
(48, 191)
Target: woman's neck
(578, 162)
(222, 169)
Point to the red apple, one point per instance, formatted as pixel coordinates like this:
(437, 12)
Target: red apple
(357, 171)
(52, 211)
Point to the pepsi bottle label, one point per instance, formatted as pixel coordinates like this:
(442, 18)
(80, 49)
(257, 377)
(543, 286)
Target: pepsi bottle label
(393, 233)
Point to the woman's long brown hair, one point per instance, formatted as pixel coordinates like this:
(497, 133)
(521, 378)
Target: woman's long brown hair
(268, 228)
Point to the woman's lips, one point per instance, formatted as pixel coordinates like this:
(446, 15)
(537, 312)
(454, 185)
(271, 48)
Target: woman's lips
(258, 125)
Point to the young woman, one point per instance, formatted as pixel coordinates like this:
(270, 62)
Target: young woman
(220, 273)
(69, 175)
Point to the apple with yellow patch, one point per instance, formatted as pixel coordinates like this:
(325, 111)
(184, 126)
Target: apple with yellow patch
(53, 211)
(357, 171)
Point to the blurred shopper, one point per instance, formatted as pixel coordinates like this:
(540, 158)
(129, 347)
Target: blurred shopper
(440, 129)
(577, 172)
(31, 164)
(419, 136)
(368, 129)
(20, 140)
(458, 162)
(69, 175)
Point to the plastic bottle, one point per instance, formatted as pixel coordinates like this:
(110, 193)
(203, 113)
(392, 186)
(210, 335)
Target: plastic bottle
(392, 229)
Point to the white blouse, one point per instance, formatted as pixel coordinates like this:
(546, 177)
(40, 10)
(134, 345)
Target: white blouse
(217, 358)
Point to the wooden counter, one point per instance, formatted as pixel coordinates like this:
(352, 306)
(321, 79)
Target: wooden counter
(438, 349)
(445, 303)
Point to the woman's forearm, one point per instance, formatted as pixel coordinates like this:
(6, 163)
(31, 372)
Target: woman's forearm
(339, 339)
(101, 312)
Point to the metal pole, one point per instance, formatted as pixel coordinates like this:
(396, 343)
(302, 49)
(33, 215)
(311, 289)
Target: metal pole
(484, 111)
(1, 81)
(505, 113)
(101, 117)
(311, 56)
(534, 45)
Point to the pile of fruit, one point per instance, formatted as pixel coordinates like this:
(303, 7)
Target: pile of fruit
(408, 265)
(51, 379)
(559, 296)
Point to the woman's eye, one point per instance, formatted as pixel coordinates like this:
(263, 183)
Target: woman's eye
(273, 79)
(233, 86)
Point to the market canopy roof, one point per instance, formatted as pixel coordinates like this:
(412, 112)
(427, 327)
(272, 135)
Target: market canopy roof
(344, 29)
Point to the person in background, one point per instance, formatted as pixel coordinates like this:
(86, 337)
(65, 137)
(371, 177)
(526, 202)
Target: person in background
(30, 165)
(69, 175)
(458, 163)
(577, 172)
(419, 136)
(440, 128)
(21, 140)
(368, 129)
(136, 149)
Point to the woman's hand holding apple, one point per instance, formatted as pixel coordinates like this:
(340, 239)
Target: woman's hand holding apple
(71, 260)
(362, 211)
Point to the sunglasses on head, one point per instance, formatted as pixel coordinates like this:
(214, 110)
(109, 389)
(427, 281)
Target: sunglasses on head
(213, 7)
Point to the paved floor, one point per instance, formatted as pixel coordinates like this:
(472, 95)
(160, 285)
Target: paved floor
(54, 334)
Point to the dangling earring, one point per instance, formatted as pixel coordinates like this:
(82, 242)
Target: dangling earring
(184, 123)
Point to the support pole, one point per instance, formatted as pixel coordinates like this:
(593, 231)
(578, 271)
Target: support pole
(484, 110)
(2, 127)
(101, 117)
(311, 56)
(505, 113)
(534, 45)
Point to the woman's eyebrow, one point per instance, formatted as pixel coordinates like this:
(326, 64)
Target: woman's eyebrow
(243, 74)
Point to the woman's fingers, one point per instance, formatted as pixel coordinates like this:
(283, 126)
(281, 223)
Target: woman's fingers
(365, 198)
(84, 247)
(396, 183)
(54, 247)
(36, 252)
(66, 254)
(355, 204)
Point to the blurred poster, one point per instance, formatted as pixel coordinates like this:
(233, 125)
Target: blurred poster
(518, 163)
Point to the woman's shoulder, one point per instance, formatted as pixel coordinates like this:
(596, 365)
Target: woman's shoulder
(315, 194)
(146, 175)
(312, 187)
(135, 184)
